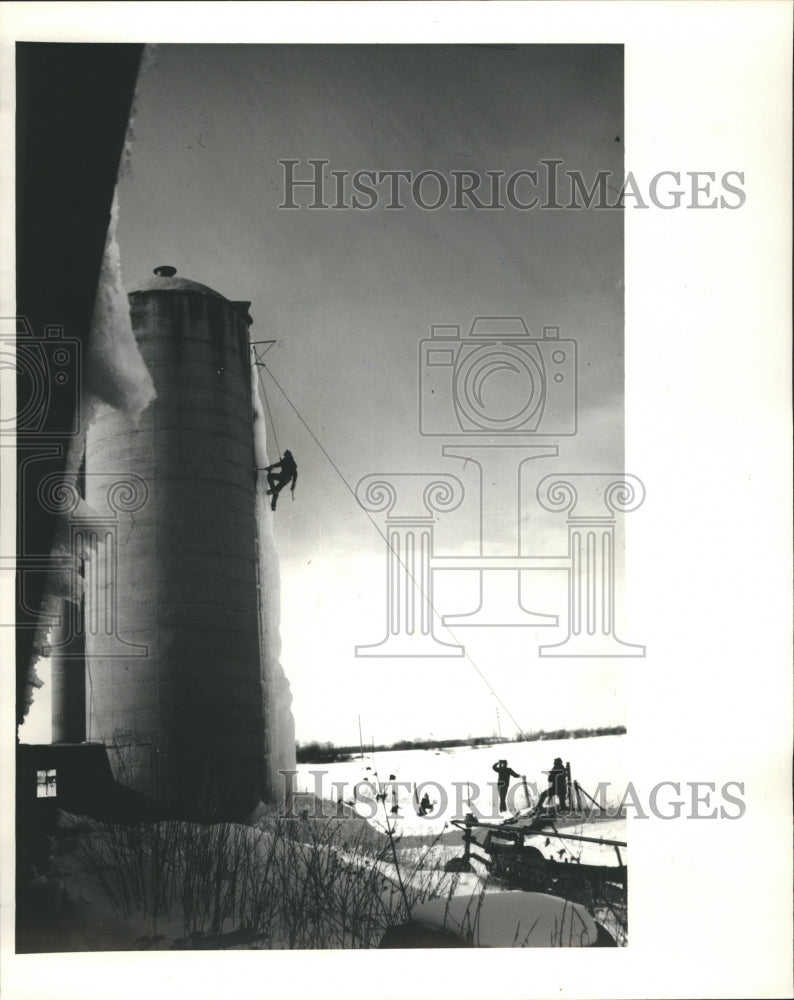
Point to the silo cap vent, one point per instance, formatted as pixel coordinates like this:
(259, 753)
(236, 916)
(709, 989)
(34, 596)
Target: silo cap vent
(165, 271)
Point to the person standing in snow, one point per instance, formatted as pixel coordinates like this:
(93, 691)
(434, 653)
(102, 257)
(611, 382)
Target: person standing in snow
(503, 783)
(394, 805)
(558, 785)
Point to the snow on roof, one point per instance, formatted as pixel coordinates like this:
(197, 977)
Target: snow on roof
(169, 283)
(165, 279)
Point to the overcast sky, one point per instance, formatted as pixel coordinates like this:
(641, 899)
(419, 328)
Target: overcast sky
(348, 295)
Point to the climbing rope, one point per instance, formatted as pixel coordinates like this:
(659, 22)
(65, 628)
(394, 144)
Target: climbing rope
(349, 488)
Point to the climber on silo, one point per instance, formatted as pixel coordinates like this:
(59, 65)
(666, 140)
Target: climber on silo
(278, 480)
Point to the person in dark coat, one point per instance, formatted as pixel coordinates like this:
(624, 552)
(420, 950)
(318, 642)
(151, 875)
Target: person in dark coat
(503, 783)
(395, 807)
(277, 481)
(558, 785)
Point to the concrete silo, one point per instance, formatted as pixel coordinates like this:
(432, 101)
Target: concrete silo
(180, 576)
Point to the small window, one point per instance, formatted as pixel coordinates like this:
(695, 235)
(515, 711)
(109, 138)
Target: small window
(45, 784)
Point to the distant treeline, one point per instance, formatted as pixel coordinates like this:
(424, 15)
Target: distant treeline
(315, 752)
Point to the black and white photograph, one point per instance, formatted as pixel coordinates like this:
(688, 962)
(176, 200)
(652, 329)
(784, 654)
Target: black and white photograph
(396, 499)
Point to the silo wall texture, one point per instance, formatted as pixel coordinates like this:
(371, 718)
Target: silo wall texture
(187, 718)
(67, 681)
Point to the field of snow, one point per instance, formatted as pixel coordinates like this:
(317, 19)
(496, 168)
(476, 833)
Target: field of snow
(332, 884)
(460, 779)
(459, 776)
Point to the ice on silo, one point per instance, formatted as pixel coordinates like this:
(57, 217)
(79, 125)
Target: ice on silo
(116, 373)
(191, 679)
(280, 725)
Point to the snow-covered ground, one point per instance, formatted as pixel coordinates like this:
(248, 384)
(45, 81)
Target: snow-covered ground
(327, 884)
(460, 780)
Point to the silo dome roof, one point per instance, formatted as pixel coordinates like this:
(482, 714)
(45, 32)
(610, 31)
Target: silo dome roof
(165, 280)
